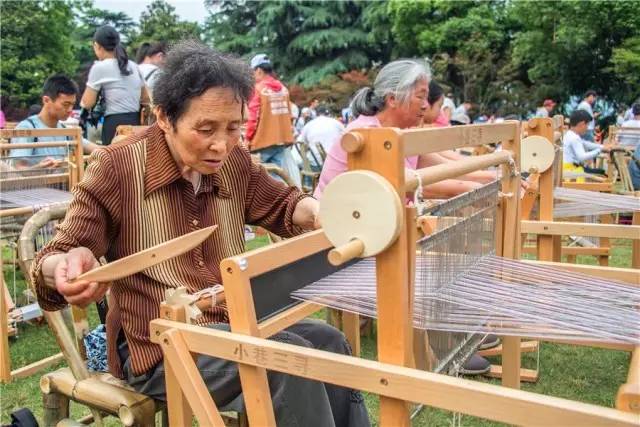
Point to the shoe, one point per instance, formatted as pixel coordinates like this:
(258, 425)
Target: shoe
(475, 365)
(490, 341)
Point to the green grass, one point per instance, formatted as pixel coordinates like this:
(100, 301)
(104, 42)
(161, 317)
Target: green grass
(578, 373)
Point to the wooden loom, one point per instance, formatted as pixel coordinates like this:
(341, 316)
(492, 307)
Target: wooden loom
(546, 140)
(68, 179)
(381, 151)
(549, 249)
(542, 190)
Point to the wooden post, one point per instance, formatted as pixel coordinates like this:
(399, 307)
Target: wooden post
(384, 154)
(351, 329)
(510, 205)
(79, 158)
(179, 410)
(55, 408)
(182, 377)
(5, 357)
(635, 243)
(548, 246)
(605, 242)
(244, 321)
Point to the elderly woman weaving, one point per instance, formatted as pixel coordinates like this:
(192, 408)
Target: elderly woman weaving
(400, 98)
(184, 173)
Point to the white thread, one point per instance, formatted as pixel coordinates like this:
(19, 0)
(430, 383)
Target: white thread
(418, 200)
(209, 292)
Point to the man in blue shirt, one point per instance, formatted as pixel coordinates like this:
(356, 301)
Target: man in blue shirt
(59, 95)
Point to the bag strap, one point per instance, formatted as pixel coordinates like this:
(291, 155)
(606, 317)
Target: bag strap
(146, 79)
(33, 125)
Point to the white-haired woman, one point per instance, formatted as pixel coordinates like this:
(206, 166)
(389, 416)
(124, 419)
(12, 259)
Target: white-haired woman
(398, 98)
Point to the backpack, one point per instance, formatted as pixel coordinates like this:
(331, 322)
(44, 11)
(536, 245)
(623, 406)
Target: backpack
(23, 417)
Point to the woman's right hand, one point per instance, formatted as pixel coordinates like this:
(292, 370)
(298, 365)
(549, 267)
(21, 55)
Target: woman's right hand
(49, 162)
(73, 264)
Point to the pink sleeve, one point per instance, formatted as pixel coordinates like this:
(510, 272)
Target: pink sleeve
(411, 162)
(334, 165)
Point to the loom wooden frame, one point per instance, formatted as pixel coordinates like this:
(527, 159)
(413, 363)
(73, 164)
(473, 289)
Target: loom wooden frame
(389, 378)
(76, 171)
(549, 253)
(76, 165)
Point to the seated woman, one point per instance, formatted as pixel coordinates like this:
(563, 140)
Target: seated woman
(433, 117)
(399, 98)
(185, 172)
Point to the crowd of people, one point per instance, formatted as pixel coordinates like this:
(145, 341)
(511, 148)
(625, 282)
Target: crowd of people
(192, 168)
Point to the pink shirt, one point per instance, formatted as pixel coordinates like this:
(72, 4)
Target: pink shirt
(336, 161)
(441, 120)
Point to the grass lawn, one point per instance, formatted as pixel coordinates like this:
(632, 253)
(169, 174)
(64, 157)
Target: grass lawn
(579, 373)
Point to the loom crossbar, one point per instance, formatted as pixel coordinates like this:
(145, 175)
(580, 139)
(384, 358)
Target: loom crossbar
(397, 382)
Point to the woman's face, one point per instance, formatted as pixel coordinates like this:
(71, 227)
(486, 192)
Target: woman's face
(206, 133)
(433, 111)
(411, 113)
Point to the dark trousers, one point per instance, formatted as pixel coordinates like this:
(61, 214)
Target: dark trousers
(296, 401)
(112, 121)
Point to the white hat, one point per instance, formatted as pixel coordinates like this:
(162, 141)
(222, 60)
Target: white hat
(259, 59)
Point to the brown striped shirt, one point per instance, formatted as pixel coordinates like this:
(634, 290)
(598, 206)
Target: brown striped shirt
(133, 197)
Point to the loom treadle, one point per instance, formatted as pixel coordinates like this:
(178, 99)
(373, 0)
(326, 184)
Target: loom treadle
(525, 347)
(526, 375)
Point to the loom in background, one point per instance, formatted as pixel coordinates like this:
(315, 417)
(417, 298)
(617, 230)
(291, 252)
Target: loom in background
(461, 286)
(29, 183)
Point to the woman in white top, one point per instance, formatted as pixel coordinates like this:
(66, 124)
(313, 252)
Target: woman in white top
(119, 79)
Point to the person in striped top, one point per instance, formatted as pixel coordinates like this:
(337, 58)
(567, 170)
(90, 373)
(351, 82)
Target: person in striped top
(186, 172)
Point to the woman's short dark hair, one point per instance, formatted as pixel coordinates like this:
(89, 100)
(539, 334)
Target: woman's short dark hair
(191, 68)
(579, 116)
(59, 84)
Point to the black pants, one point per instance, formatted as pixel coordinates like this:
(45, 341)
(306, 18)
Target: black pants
(595, 171)
(296, 401)
(112, 121)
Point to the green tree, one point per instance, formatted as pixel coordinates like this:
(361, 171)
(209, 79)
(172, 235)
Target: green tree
(160, 22)
(466, 41)
(625, 61)
(309, 41)
(231, 25)
(565, 48)
(316, 39)
(36, 42)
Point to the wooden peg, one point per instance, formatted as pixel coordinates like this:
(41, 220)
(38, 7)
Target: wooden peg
(352, 142)
(346, 252)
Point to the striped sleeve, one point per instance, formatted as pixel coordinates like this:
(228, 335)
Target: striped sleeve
(270, 203)
(92, 221)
